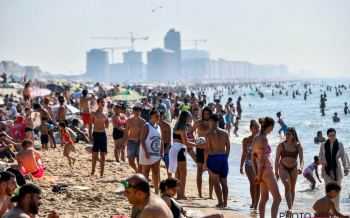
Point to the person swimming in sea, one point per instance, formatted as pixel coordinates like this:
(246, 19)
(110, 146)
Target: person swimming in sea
(336, 119)
(319, 138)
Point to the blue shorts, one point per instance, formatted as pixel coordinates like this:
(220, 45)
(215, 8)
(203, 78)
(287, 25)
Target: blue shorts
(218, 164)
(133, 149)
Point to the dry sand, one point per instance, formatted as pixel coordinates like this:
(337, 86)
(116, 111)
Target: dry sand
(97, 197)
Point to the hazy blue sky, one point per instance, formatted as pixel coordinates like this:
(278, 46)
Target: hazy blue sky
(304, 34)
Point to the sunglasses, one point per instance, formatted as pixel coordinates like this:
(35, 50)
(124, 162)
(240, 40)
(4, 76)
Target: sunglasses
(127, 185)
(331, 135)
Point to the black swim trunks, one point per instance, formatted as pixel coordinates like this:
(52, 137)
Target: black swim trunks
(181, 156)
(44, 139)
(117, 134)
(27, 129)
(200, 155)
(100, 142)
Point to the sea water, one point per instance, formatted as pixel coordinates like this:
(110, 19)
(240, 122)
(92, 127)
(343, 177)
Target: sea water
(305, 116)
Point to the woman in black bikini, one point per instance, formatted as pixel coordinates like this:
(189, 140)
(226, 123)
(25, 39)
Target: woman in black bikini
(286, 164)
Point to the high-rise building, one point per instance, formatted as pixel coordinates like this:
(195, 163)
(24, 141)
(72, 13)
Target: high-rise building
(195, 64)
(134, 65)
(172, 41)
(97, 67)
(161, 65)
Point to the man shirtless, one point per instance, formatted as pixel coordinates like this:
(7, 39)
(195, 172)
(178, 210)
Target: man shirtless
(97, 132)
(202, 128)
(165, 128)
(325, 206)
(218, 151)
(61, 113)
(134, 126)
(84, 106)
(7, 187)
(145, 204)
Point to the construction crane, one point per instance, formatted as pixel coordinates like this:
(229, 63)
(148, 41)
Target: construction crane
(132, 38)
(196, 42)
(112, 49)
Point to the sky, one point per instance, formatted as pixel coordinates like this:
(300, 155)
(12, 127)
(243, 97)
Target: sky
(307, 35)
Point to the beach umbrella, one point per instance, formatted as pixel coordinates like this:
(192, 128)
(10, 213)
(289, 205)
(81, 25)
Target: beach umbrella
(55, 88)
(128, 95)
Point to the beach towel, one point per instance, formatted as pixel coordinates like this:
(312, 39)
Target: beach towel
(173, 152)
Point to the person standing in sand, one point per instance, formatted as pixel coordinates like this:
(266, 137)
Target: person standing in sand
(151, 149)
(144, 203)
(133, 130)
(202, 129)
(218, 143)
(119, 122)
(286, 165)
(7, 188)
(84, 106)
(165, 128)
(97, 132)
(331, 152)
(263, 168)
(246, 160)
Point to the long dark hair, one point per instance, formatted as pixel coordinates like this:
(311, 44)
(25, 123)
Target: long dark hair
(182, 121)
(266, 123)
(294, 133)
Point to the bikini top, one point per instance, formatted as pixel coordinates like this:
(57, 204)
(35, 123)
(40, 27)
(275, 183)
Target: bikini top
(118, 122)
(291, 154)
(177, 136)
(268, 150)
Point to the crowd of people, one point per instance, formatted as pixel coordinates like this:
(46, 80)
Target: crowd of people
(166, 128)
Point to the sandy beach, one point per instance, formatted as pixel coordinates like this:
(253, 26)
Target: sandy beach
(88, 196)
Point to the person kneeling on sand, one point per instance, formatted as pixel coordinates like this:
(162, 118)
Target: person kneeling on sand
(144, 203)
(28, 200)
(29, 160)
(168, 190)
(325, 206)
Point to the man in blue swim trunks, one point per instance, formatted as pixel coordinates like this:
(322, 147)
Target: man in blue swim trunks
(218, 151)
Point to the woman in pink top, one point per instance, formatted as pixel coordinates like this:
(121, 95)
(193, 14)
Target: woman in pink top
(263, 168)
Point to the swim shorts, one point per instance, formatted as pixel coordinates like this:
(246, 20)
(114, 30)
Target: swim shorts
(117, 134)
(133, 149)
(86, 117)
(200, 155)
(181, 156)
(100, 142)
(218, 164)
(44, 139)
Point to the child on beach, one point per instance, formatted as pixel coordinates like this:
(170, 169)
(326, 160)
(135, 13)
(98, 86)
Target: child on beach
(325, 206)
(67, 142)
(308, 172)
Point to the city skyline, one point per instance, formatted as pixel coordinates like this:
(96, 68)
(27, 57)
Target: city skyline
(310, 36)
